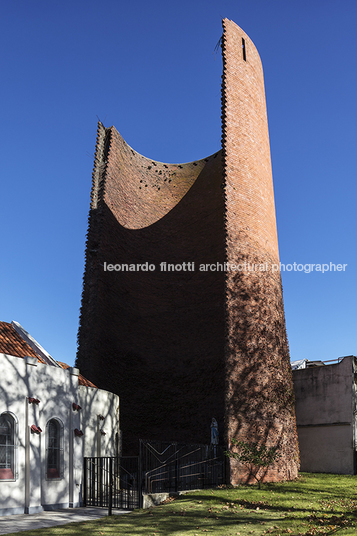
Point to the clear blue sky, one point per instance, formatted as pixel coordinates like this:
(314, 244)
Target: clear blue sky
(149, 68)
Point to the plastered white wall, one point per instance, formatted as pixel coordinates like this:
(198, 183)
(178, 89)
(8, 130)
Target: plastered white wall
(57, 389)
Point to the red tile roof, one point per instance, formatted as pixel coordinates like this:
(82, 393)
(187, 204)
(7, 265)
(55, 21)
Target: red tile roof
(81, 379)
(12, 343)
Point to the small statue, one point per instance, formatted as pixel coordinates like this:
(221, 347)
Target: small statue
(214, 432)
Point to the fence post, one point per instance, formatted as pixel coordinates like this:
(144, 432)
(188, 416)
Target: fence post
(85, 483)
(110, 486)
(140, 468)
(176, 470)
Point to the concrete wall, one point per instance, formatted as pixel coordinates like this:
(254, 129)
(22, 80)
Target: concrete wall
(57, 389)
(325, 404)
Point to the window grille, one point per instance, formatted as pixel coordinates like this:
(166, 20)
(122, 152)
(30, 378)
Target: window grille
(7, 447)
(54, 463)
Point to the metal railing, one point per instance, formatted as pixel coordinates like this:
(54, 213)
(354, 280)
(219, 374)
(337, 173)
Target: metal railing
(162, 467)
(112, 482)
(173, 467)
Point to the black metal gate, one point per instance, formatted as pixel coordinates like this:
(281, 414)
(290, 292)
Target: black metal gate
(162, 467)
(112, 482)
(169, 466)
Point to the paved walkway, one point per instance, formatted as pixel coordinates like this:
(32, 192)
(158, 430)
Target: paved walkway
(17, 523)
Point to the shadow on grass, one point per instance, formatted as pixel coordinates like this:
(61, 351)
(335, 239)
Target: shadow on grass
(317, 503)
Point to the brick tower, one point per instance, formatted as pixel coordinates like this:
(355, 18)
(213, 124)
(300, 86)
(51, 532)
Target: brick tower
(182, 346)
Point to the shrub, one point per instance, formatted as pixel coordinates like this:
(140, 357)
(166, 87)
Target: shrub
(254, 457)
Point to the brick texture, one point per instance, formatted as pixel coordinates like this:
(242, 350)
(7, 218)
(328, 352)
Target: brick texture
(156, 338)
(259, 390)
(182, 347)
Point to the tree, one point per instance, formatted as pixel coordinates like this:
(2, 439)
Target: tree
(254, 457)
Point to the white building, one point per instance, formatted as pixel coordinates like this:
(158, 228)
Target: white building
(50, 418)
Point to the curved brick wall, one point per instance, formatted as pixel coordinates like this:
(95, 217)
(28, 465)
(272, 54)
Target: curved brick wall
(182, 347)
(147, 190)
(259, 397)
(155, 337)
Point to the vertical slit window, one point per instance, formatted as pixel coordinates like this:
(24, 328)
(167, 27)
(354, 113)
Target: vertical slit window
(244, 50)
(53, 449)
(7, 447)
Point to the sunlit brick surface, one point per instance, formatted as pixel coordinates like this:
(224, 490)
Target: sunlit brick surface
(259, 397)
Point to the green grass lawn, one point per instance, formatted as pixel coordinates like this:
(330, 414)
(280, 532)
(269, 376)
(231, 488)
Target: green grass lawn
(314, 504)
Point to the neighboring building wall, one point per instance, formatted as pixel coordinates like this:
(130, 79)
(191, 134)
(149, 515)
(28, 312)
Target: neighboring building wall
(185, 346)
(31, 490)
(325, 406)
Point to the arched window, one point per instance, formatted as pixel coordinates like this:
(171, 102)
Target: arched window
(54, 449)
(7, 447)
